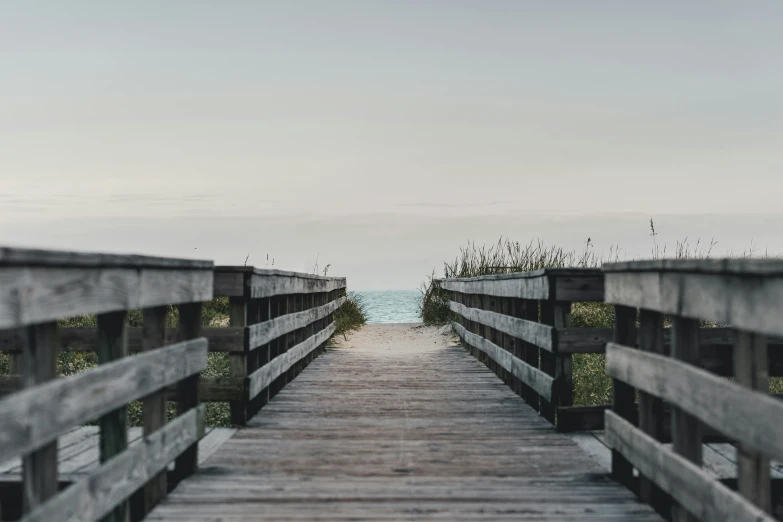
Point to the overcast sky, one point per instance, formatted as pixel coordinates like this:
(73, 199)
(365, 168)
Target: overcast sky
(379, 136)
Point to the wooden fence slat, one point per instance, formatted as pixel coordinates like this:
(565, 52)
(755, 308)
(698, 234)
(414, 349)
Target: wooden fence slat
(36, 416)
(278, 366)
(54, 293)
(690, 485)
(750, 417)
(541, 335)
(622, 390)
(39, 467)
(114, 481)
(187, 389)
(532, 377)
(154, 405)
(263, 333)
(237, 362)
(750, 370)
(113, 438)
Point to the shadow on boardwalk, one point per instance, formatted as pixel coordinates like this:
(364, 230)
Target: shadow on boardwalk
(424, 432)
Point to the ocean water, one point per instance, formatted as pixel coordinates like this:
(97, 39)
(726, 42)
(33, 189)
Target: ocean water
(392, 306)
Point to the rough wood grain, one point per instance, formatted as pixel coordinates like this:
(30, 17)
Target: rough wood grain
(541, 335)
(189, 329)
(39, 467)
(65, 259)
(114, 424)
(750, 417)
(263, 333)
(113, 482)
(622, 390)
(748, 302)
(37, 416)
(278, 366)
(694, 488)
(30, 295)
(431, 435)
(532, 377)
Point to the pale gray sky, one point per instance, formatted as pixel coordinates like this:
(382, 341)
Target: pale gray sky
(361, 130)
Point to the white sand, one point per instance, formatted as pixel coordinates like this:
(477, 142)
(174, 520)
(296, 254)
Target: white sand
(398, 339)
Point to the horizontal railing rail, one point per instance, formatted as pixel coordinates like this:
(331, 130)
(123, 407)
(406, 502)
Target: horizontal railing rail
(687, 380)
(515, 324)
(38, 288)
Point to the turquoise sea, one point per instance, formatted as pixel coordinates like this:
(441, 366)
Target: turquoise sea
(392, 306)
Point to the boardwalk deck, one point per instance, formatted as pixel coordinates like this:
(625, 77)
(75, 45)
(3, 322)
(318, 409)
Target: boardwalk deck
(364, 434)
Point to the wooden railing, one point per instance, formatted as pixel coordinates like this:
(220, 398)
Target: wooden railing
(38, 288)
(279, 321)
(283, 320)
(519, 325)
(747, 296)
(271, 312)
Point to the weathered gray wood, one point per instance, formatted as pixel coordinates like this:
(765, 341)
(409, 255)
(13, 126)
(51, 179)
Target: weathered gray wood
(114, 424)
(64, 259)
(542, 336)
(750, 370)
(526, 285)
(187, 389)
(651, 414)
(724, 298)
(114, 481)
(255, 283)
(563, 362)
(237, 362)
(546, 360)
(86, 339)
(587, 285)
(39, 467)
(30, 295)
(532, 377)
(427, 435)
(686, 429)
(36, 416)
(735, 266)
(278, 366)
(622, 390)
(154, 405)
(262, 333)
(691, 486)
(751, 417)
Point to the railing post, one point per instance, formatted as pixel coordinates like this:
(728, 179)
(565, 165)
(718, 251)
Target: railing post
(112, 346)
(153, 410)
(263, 353)
(238, 362)
(750, 370)
(651, 417)
(529, 311)
(187, 389)
(547, 360)
(686, 429)
(564, 380)
(39, 364)
(622, 393)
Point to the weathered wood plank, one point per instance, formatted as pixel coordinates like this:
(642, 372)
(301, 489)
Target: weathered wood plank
(30, 295)
(532, 377)
(65, 259)
(114, 424)
(750, 417)
(114, 481)
(39, 365)
(748, 302)
(85, 339)
(263, 333)
(36, 416)
(278, 366)
(690, 485)
(541, 335)
(750, 371)
(622, 391)
(527, 285)
(187, 388)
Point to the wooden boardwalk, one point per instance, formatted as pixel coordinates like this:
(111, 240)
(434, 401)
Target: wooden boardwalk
(428, 435)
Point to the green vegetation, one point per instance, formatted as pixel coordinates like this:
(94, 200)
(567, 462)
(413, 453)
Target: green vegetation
(591, 386)
(215, 314)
